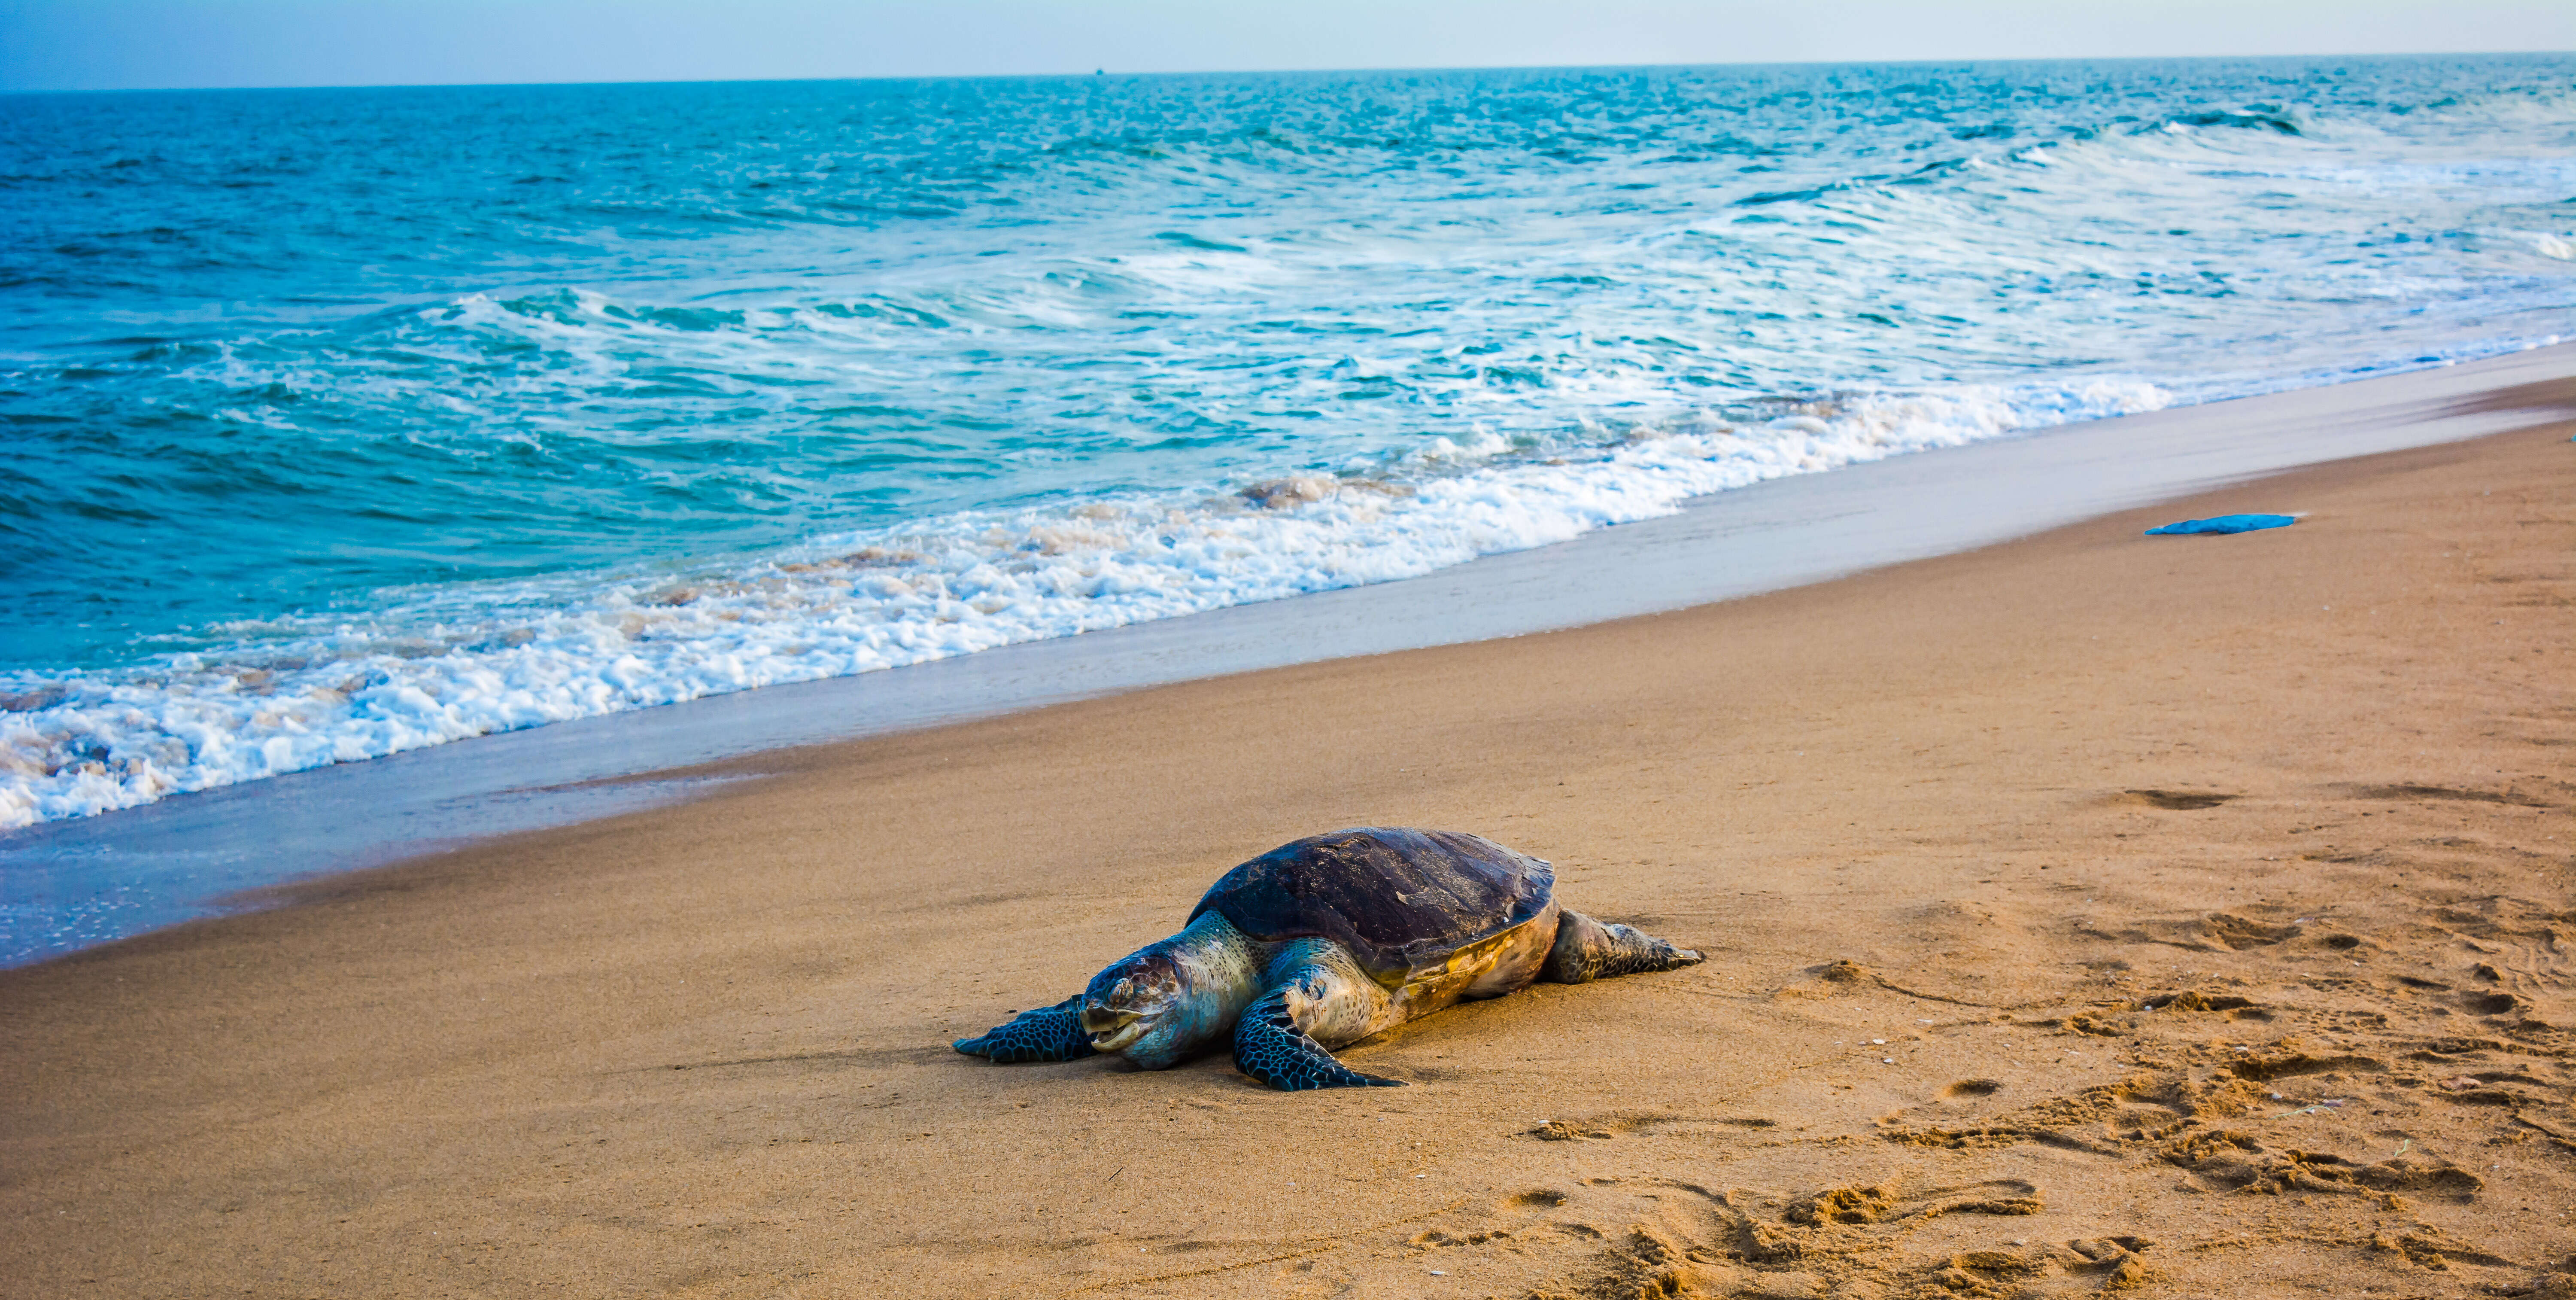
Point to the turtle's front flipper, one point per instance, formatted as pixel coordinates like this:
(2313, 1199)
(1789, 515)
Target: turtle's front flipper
(1270, 1047)
(1048, 1034)
(1587, 950)
(1311, 989)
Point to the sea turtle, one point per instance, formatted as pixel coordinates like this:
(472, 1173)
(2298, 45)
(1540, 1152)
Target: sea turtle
(1326, 941)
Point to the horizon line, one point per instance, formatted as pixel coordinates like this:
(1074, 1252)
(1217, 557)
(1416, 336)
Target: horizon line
(1247, 72)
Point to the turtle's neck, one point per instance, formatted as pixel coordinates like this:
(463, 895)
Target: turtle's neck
(1221, 967)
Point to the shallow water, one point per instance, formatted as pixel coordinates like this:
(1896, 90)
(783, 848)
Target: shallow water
(346, 422)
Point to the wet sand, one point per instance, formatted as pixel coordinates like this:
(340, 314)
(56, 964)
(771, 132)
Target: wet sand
(2091, 911)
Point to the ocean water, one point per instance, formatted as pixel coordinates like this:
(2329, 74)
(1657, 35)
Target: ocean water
(344, 422)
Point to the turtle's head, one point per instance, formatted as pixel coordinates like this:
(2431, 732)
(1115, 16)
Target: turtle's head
(1166, 1000)
(1129, 1005)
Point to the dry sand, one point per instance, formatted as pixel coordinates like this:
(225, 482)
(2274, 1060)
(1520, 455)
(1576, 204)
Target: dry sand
(2211, 897)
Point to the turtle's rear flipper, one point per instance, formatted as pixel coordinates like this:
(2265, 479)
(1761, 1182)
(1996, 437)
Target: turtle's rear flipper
(1270, 1047)
(1048, 1034)
(1588, 950)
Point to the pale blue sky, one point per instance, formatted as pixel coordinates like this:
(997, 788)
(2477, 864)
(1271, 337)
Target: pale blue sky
(132, 44)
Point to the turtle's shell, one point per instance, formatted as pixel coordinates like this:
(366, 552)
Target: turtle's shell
(1399, 899)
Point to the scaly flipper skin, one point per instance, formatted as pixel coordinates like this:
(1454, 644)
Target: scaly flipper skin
(1048, 1034)
(1270, 1047)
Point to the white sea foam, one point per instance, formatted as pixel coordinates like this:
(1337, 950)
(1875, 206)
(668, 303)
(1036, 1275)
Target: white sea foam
(457, 663)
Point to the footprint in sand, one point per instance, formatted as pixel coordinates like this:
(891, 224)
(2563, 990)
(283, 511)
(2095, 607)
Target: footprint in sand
(2490, 1004)
(1890, 1203)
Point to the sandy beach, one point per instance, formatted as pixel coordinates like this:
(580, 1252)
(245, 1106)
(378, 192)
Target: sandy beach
(2092, 911)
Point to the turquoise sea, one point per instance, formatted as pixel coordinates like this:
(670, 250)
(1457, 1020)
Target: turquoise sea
(345, 422)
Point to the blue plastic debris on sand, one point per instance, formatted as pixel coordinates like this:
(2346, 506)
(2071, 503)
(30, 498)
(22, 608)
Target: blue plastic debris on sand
(2224, 524)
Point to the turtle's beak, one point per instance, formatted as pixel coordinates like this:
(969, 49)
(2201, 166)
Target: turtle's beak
(1111, 1030)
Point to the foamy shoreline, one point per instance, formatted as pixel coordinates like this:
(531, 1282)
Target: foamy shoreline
(79, 882)
(448, 664)
(443, 664)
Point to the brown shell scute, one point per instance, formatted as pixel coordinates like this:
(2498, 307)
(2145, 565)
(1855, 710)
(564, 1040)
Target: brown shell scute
(1399, 899)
